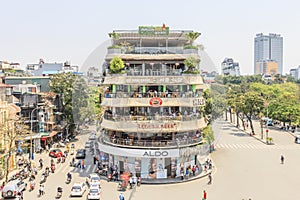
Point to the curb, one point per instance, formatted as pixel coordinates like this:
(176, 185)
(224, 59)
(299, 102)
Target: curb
(248, 133)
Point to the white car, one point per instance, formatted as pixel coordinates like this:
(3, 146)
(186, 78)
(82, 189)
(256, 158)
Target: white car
(94, 193)
(93, 137)
(93, 179)
(88, 144)
(12, 188)
(78, 189)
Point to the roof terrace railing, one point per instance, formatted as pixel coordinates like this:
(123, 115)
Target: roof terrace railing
(179, 142)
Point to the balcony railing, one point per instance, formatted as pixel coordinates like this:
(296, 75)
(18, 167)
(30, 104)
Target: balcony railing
(179, 142)
(152, 94)
(156, 50)
(120, 118)
(150, 72)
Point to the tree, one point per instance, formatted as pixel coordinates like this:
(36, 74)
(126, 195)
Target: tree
(63, 85)
(114, 35)
(208, 135)
(191, 63)
(12, 128)
(192, 36)
(116, 65)
(215, 103)
(126, 47)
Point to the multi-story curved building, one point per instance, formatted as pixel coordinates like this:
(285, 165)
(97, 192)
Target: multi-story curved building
(152, 125)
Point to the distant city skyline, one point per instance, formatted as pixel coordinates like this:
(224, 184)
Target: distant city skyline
(60, 31)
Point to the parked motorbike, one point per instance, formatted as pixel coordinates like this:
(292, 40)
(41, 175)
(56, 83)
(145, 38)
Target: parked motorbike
(109, 177)
(52, 168)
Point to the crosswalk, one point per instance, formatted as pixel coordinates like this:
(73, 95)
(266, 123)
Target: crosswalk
(255, 146)
(90, 168)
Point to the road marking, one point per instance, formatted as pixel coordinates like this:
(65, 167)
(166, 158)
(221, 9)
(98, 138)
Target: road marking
(88, 168)
(94, 168)
(75, 169)
(65, 168)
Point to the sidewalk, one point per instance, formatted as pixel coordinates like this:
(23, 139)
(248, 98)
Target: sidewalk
(257, 131)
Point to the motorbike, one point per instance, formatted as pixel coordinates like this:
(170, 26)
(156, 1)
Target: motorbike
(43, 179)
(32, 185)
(52, 168)
(59, 192)
(139, 181)
(68, 180)
(109, 177)
(58, 160)
(63, 159)
(72, 164)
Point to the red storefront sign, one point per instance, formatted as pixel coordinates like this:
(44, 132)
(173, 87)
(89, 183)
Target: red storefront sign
(155, 102)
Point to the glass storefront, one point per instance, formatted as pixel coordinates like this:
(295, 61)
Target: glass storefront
(148, 168)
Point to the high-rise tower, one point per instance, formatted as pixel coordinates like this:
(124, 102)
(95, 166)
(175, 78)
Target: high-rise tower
(268, 47)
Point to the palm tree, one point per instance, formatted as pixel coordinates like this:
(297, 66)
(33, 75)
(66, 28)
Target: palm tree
(114, 35)
(192, 36)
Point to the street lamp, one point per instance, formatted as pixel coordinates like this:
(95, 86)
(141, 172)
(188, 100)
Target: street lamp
(31, 157)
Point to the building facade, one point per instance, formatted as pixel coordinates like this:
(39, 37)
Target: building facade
(267, 67)
(295, 73)
(229, 67)
(8, 116)
(268, 47)
(152, 124)
(47, 69)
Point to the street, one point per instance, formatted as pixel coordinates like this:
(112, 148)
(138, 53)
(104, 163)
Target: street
(109, 189)
(245, 168)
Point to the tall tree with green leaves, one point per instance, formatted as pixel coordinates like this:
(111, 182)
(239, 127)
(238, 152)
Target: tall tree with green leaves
(63, 85)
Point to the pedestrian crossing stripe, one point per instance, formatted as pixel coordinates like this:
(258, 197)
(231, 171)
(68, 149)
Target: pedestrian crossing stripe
(88, 168)
(256, 146)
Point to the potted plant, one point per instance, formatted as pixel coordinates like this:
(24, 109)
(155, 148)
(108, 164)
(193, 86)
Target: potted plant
(191, 63)
(114, 49)
(190, 48)
(116, 66)
(269, 140)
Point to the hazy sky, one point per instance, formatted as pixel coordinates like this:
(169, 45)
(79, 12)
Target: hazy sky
(60, 30)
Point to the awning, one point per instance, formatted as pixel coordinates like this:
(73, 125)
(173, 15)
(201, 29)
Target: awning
(49, 134)
(29, 137)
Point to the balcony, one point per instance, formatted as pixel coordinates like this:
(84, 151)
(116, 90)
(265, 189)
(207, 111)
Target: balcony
(145, 144)
(154, 126)
(135, 118)
(152, 94)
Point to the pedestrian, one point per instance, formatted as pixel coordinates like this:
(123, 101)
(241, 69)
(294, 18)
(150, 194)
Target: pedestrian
(204, 195)
(282, 159)
(209, 179)
(121, 196)
(79, 164)
(82, 164)
(194, 170)
(181, 174)
(41, 163)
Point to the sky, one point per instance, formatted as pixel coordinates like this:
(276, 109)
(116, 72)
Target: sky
(71, 30)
